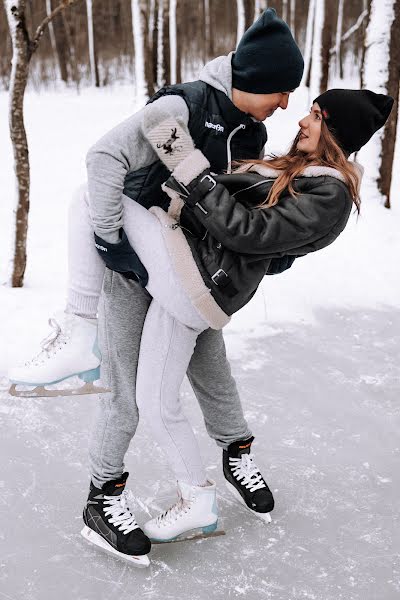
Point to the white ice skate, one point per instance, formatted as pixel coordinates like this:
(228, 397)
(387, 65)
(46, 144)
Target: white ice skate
(195, 515)
(70, 350)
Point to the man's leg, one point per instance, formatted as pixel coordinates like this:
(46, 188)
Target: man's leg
(122, 311)
(210, 376)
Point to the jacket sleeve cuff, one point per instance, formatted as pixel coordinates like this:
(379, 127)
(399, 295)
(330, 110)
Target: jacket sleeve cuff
(193, 165)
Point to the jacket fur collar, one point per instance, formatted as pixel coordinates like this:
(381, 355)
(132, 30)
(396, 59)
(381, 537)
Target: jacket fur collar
(312, 171)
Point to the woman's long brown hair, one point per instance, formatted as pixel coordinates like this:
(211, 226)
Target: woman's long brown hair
(292, 164)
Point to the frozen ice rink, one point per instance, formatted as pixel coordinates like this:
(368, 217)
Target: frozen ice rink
(323, 402)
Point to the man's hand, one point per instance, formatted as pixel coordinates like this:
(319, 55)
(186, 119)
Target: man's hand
(122, 258)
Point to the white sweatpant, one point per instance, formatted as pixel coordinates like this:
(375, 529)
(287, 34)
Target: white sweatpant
(169, 334)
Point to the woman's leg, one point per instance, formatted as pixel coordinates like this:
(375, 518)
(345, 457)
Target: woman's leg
(165, 350)
(144, 232)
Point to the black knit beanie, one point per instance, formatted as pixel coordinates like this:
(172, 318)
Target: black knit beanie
(353, 116)
(267, 59)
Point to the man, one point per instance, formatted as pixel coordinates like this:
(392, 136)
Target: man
(223, 112)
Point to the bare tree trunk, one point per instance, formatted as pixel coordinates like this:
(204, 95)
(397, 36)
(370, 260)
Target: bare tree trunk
(160, 44)
(22, 53)
(338, 43)
(63, 50)
(178, 43)
(293, 17)
(317, 75)
(154, 43)
(172, 41)
(73, 63)
(285, 10)
(381, 73)
(207, 29)
(138, 39)
(327, 33)
(94, 71)
(390, 131)
(309, 43)
(167, 49)
(364, 48)
(147, 16)
(51, 28)
(241, 20)
(23, 49)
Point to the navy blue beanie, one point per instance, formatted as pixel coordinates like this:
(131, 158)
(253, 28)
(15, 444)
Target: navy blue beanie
(267, 59)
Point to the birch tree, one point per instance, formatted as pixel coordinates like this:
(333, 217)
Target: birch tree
(207, 30)
(160, 45)
(241, 20)
(94, 71)
(138, 41)
(338, 41)
(173, 41)
(285, 10)
(292, 23)
(381, 74)
(308, 43)
(316, 53)
(23, 48)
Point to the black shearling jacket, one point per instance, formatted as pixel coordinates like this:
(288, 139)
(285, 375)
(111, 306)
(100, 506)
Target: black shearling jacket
(235, 244)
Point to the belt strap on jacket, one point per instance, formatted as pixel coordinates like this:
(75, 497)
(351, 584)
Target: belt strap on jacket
(221, 279)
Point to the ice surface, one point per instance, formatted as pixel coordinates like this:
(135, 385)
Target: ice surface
(316, 359)
(323, 404)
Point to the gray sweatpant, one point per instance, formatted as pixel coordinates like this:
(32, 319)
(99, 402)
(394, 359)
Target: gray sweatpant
(167, 336)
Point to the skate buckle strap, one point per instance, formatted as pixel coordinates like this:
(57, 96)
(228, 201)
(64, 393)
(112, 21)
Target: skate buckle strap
(246, 472)
(120, 513)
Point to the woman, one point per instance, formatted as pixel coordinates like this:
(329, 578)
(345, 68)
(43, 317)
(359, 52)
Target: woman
(207, 256)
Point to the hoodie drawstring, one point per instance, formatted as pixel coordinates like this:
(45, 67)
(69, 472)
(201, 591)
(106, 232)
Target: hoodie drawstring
(228, 146)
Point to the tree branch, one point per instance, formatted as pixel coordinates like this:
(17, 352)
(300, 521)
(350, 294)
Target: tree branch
(41, 29)
(350, 31)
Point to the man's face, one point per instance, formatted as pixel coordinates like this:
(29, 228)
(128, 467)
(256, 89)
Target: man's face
(260, 106)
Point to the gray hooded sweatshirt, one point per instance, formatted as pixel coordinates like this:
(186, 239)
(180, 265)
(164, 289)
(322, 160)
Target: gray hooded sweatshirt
(125, 148)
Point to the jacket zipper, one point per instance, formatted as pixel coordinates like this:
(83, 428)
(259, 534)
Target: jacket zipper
(252, 186)
(228, 145)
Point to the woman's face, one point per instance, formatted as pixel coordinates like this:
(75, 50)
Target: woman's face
(310, 130)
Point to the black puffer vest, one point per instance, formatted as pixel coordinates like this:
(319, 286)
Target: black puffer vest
(215, 125)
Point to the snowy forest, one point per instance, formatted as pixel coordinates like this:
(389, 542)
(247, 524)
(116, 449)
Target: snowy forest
(159, 42)
(314, 353)
(95, 41)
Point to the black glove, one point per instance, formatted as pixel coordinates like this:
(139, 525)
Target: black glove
(122, 258)
(278, 265)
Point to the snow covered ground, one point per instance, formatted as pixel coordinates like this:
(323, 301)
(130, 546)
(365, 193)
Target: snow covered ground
(316, 358)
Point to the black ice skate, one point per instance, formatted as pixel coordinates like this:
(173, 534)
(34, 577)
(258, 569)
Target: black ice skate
(244, 480)
(111, 525)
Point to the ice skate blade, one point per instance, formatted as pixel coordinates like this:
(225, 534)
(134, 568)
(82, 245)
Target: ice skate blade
(264, 517)
(190, 537)
(41, 392)
(94, 538)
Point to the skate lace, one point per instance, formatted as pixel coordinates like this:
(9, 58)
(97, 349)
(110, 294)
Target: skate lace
(50, 344)
(173, 513)
(245, 470)
(119, 514)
